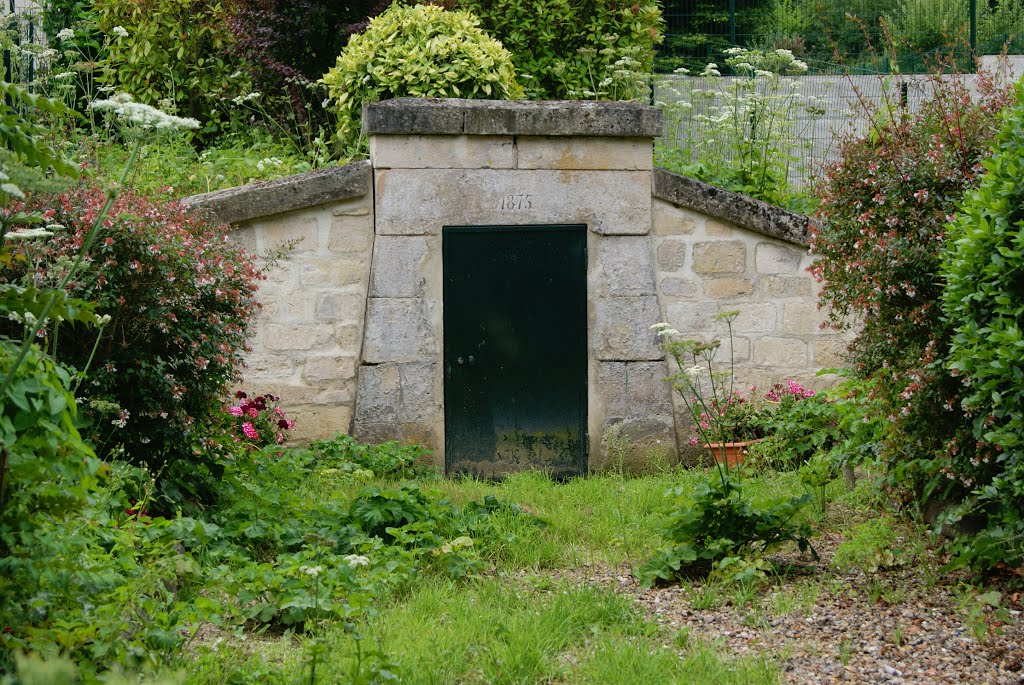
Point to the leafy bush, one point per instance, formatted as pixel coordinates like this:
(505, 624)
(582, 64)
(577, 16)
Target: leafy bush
(385, 460)
(288, 45)
(174, 52)
(103, 584)
(718, 527)
(984, 273)
(878, 236)
(44, 464)
(180, 297)
(806, 422)
(421, 51)
(575, 49)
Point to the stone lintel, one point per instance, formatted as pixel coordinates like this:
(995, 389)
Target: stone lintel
(266, 198)
(734, 208)
(452, 117)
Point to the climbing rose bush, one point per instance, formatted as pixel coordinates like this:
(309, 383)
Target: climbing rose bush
(879, 235)
(181, 298)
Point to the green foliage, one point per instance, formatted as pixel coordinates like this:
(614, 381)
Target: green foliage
(871, 546)
(806, 422)
(179, 297)
(983, 269)
(23, 133)
(102, 584)
(44, 464)
(419, 51)
(172, 169)
(385, 460)
(717, 527)
(174, 53)
(575, 49)
(699, 31)
(879, 237)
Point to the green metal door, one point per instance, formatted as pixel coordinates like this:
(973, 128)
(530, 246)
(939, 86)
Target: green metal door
(515, 349)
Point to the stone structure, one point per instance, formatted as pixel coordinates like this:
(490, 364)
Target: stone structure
(351, 331)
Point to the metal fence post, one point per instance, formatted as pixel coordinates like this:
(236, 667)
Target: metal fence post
(974, 29)
(732, 23)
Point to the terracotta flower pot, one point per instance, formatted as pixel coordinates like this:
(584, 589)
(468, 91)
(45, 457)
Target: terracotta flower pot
(731, 452)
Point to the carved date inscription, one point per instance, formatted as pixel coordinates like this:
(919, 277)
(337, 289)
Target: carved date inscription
(516, 203)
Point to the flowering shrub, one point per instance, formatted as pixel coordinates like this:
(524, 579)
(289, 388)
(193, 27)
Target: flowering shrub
(258, 421)
(180, 297)
(880, 230)
(983, 263)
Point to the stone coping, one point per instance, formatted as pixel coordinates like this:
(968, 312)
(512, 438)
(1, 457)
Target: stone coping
(266, 198)
(731, 207)
(453, 117)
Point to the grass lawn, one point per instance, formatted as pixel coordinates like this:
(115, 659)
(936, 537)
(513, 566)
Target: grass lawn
(558, 603)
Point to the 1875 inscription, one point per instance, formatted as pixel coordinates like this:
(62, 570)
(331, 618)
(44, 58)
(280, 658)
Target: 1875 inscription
(516, 203)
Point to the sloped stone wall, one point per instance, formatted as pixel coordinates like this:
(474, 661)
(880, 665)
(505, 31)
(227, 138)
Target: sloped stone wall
(306, 343)
(709, 261)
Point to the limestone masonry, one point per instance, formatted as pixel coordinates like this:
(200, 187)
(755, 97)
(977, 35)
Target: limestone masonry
(350, 332)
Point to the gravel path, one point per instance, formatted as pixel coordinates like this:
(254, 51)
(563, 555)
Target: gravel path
(828, 626)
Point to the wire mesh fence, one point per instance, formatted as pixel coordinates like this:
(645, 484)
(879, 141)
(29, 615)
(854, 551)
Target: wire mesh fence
(851, 36)
(23, 42)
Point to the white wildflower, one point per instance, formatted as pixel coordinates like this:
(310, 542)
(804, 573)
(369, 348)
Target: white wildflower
(142, 115)
(103, 319)
(65, 34)
(667, 332)
(312, 571)
(694, 371)
(357, 560)
(119, 31)
(29, 234)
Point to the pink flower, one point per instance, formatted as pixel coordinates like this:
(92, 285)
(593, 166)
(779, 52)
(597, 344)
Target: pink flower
(252, 411)
(235, 411)
(249, 431)
(694, 441)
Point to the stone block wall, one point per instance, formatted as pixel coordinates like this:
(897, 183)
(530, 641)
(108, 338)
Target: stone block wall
(306, 342)
(708, 262)
(350, 334)
(442, 163)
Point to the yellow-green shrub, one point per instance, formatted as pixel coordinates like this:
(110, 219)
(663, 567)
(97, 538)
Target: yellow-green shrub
(419, 51)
